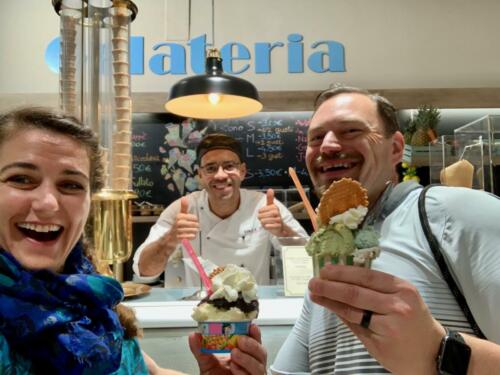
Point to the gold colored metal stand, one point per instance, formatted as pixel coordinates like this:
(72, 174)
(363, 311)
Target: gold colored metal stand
(113, 228)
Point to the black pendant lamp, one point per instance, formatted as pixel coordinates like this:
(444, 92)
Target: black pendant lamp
(213, 95)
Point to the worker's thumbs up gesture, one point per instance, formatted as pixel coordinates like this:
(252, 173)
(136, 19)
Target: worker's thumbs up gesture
(186, 225)
(270, 216)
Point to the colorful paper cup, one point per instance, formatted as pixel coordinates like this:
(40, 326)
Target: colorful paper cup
(221, 337)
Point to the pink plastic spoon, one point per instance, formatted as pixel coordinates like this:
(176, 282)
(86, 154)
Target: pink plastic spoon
(204, 278)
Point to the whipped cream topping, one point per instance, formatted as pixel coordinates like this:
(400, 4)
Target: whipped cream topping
(233, 280)
(350, 218)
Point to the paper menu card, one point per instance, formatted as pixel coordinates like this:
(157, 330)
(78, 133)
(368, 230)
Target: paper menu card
(297, 270)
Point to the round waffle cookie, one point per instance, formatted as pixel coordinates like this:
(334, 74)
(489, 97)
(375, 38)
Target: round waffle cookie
(339, 197)
(215, 272)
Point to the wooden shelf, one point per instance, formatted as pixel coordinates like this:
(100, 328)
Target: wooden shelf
(419, 156)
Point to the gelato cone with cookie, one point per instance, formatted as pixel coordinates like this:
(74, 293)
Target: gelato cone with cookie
(226, 314)
(340, 239)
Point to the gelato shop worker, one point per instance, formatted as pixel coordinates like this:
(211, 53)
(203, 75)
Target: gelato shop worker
(225, 223)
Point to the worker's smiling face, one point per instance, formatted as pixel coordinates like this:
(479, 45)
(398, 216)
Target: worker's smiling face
(221, 174)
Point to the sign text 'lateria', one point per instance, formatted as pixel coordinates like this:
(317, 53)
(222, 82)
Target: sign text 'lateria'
(173, 58)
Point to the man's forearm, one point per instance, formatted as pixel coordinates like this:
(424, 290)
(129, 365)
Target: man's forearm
(155, 256)
(485, 358)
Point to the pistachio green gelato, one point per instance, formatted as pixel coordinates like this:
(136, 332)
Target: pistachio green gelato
(366, 238)
(341, 242)
(332, 239)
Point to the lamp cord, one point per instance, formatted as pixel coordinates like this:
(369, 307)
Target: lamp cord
(213, 23)
(189, 20)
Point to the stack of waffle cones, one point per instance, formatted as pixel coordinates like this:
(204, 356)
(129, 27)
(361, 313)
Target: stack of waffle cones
(67, 78)
(122, 136)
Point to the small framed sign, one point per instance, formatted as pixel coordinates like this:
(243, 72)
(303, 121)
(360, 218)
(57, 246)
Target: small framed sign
(297, 270)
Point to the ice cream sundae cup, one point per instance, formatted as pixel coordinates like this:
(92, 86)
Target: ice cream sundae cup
(227, 313)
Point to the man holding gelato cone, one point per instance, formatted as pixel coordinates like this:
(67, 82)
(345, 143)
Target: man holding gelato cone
(401, 315)
(225, 224)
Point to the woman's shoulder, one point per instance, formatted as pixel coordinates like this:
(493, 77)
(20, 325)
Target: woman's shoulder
(10, 362)
(132, 360)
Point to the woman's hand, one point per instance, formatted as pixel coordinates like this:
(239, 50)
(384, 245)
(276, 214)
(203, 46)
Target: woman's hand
(154, 369)
(249, 357)
(402, 334)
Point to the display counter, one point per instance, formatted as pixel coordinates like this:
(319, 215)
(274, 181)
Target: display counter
(167, 323)
(165, 307)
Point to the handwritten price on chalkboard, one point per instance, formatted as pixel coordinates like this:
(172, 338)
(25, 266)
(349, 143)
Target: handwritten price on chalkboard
(265, 172)
(270, 156)
(271, 172)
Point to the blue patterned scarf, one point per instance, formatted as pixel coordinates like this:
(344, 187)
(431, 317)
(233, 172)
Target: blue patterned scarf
(64, 323)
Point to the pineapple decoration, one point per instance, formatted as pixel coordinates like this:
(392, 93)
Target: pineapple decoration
(425, 124)
(410, 129)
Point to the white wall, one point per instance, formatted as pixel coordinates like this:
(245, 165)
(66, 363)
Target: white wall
(388, 43)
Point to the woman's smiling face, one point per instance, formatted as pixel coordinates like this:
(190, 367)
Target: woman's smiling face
(44, 197)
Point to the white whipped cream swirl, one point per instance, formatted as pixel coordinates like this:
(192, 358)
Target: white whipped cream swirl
(232, 280)
(350, 218)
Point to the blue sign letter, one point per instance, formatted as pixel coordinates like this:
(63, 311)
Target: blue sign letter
(263, 56)
(335, 57)
(177, 60)
(295, 54)
(52, 54)
(242, 53)
(136, 55)
(198, 47)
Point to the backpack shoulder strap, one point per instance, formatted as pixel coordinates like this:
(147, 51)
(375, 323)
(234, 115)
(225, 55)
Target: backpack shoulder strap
(436, 250)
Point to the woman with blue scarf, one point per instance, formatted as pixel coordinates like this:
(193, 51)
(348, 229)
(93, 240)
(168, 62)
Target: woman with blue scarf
(57, 315)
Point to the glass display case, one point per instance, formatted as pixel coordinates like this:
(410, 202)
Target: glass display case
(476, 145)
(479, 143)
(442, 154)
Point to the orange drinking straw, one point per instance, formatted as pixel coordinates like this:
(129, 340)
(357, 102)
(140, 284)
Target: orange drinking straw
(302, 193)
(204, 278)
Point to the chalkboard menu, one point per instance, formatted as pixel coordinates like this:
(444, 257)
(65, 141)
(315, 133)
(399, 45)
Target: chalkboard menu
(164, 151)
